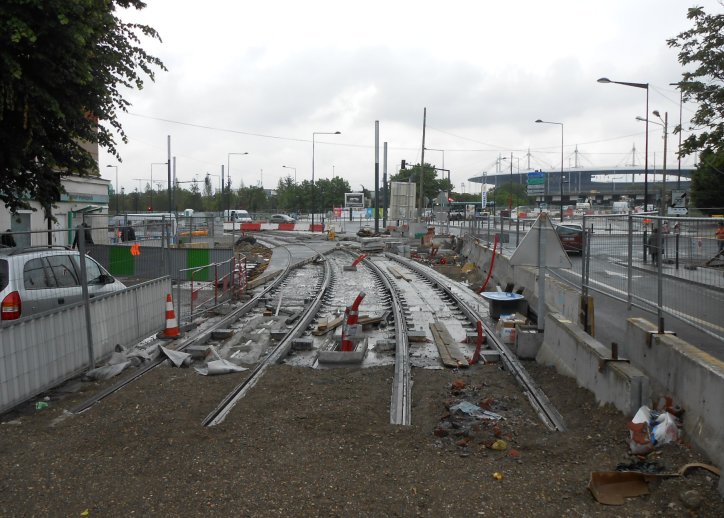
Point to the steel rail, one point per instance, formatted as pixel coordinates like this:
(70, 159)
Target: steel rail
(192, 338)
(222, 410)
(401, 400)
(540, 402)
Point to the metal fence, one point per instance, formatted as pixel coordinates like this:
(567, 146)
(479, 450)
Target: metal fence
(665, 266)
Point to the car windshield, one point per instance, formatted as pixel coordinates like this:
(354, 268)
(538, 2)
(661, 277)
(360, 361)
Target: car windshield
(562, 230)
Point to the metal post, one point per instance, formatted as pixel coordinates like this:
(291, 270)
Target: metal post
(168, 168)
(80, 233)
(377, 176)
(384, 186)
(629, 266)
(541, 276)
(422, 165)
(660, 274)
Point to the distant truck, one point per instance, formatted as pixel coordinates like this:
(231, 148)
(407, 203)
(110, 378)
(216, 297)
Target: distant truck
(237, 216)
(620, 207)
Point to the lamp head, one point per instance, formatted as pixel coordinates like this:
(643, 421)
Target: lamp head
(656, 112)
(337, 132)
(539, 120)
(604, 80)
(639, 118)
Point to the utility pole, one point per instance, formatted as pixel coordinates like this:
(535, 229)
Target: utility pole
(422, 164)
(377, 176)
(384, 186)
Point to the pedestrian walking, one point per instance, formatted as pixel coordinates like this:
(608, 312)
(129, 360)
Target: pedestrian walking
(654, 246)
(7, 239)
(720, 236)
(87, 233)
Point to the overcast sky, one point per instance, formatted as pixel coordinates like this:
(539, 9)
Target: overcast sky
(261, 77)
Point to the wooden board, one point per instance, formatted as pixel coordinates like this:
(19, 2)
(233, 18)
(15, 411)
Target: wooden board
(328, 326)
(450, 353)
(397, 274)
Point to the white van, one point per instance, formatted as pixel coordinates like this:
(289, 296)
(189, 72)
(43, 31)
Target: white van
(583, 206)
(237, 216)
(620, 207)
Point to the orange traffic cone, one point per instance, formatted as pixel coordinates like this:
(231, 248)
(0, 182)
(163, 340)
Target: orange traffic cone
(172, 330)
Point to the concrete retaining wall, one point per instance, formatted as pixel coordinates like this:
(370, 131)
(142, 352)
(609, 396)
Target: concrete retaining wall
(661, 365)
(692, 377)
(576, 354)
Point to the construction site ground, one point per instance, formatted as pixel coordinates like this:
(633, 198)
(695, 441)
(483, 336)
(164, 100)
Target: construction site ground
(317, 442)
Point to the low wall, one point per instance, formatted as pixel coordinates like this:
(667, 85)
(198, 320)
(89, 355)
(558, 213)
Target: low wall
(660, 365)
(692, 377)
(576, 354)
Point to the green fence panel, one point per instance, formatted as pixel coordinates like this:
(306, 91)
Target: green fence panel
(199, 257)
(121, 262)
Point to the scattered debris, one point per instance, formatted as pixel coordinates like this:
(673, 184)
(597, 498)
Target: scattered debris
(217, 367)
(613, 487)
(177, 358)
(475, 411)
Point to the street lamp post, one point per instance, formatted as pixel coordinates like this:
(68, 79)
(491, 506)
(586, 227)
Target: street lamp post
(665, 122)
(116, 189)
(561, 125)
(645, 86)
(681, 108)
(228, 179)
(153, 164)
(314, 134)
(295, 172)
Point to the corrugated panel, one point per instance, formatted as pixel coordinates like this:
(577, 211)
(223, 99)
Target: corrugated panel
(43, 351)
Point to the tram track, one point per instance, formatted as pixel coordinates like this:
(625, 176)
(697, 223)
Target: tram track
(548, 414)
(198, 336)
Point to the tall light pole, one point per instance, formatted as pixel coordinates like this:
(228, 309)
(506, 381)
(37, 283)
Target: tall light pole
(561, 125)
(295, 172)
(645, 86)
(314, 134)
(153, 164)
(665, 122)
(228, 175)
(116, 189)
(680, 128)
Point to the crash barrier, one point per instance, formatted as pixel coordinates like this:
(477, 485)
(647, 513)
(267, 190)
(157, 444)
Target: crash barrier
(664, 266)
(44, 350)
(578, 355)
(692, 377)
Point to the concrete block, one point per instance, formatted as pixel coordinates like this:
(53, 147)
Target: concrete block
(303, 344)
(385, 345)
(197, 352)
(222, 334)
(527, 342)
(278, 334)
(490, 355)
(416, 336)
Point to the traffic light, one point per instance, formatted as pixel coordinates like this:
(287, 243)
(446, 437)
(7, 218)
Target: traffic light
(403, 165)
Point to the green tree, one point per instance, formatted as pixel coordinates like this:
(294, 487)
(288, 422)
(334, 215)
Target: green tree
(701, 52)
(63, 65)
(431, 184)
(707, 182)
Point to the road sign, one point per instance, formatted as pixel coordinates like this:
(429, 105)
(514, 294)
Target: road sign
(536, 181)
(535, 190)
(536, 174)
(354, 200)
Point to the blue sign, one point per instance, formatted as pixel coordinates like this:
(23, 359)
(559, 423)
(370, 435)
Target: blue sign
(536, 174)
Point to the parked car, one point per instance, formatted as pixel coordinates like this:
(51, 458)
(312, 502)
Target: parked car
(281, 218)
(37, 279)
(571, 236)
(456, 215)
(237, 216)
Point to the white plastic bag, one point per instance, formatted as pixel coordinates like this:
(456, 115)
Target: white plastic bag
(665, 430)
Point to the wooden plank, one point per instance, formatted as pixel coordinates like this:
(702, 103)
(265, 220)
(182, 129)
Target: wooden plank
(450, 353)
(395, 272)
(328, 326)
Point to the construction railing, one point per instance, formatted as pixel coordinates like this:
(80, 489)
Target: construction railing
(665, 266)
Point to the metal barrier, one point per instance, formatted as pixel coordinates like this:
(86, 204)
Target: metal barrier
(660, 265)
(209, 285)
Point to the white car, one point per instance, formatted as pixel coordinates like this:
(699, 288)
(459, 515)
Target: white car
(281, 218)
(42, 278)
